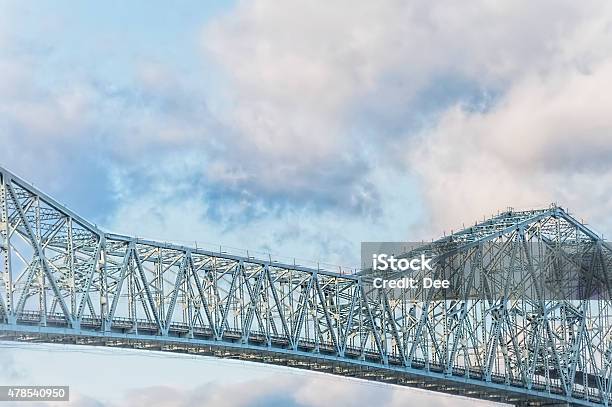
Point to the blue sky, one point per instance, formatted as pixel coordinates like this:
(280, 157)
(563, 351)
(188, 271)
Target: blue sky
(301, 130)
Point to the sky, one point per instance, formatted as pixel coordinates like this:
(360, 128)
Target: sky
(300, 130)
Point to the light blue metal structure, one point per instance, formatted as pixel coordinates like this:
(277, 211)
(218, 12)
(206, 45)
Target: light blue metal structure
(63, 280)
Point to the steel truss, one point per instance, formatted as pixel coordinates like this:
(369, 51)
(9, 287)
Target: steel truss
(64, 280)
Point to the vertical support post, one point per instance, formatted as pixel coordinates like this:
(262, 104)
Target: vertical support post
(42, 304)
(5, 232)
(72, 278)
(104, 311)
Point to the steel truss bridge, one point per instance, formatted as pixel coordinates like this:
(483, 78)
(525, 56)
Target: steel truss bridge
(63, 280)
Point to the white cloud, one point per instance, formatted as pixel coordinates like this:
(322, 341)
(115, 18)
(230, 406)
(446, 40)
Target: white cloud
(301, 74)
(166, 205)
(548, 140)
(295, 390)
(298, 68)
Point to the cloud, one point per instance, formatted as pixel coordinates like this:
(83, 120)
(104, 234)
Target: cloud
(311, 86)
(549, 139)
(297, 70)
(68, 133)
(172, 204)
(297, 390)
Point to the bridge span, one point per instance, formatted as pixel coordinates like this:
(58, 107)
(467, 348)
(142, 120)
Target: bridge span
(64, 280)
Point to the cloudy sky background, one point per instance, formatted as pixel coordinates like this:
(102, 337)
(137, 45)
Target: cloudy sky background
(301, 129)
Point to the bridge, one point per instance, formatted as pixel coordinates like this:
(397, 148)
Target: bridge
(64, 280)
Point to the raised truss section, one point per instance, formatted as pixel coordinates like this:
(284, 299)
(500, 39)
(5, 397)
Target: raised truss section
(62, 279)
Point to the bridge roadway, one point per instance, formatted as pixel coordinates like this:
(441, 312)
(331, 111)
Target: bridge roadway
(307, 356)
